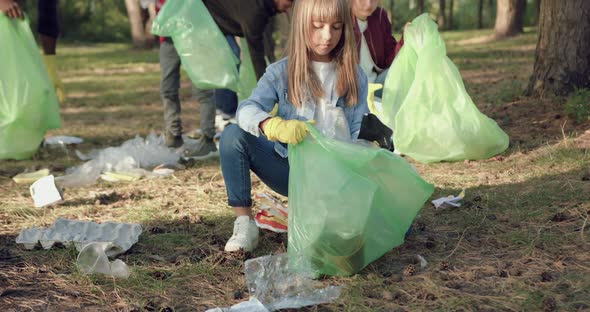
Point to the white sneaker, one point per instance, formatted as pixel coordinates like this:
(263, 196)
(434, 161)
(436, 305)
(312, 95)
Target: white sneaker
(245, 235)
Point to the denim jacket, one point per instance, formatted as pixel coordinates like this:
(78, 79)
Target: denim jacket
(272, 88)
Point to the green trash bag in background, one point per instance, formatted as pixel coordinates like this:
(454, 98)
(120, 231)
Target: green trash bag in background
(348, 204)
(28, 104)
(202, 47)
(427, 106)
(247, 74)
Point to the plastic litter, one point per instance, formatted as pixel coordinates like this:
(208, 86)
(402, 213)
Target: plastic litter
(273, 215)
(423, 263)
(131, 155)
(425, 103)
(348, 204)
(62, 140)
(80, 233)
(30, 177)
(252, 305)
(448, 201)
(45, 192)
(28, 104)
(276, 286)
(93, 259)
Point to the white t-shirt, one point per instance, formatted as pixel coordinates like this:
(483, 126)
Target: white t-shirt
(366, 63)
(326, 73)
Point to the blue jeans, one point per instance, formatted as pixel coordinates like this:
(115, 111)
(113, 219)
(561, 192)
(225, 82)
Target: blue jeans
(227, 100)
(241, 152)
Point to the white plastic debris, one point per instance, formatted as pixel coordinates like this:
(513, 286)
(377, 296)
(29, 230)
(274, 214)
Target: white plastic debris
(273, 286)
(271, 281)
(132, 154)
(121, 235)
(62, 140)
(93, 259)
(30, 177)
(252, 305)
(423, 263)
(45, 192)
(449, 201)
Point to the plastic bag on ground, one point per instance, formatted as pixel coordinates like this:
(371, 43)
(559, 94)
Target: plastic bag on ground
(28, 104)
(348, 204)
(131, 155)
(93, 259)
(202, 47)
(427, 106)
(271, 281)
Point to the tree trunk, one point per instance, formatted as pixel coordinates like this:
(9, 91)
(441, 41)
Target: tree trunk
(562, 58)
(537, 10)
(491, 12)
(420, 7)
(509, 18)
(442, 23)
(136, 23)
(480, 14)
(451, 7)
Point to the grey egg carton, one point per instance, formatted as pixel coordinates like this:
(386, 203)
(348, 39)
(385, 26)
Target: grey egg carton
(121, 235)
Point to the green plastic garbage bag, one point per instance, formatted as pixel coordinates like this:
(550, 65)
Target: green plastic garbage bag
(425, 103)
(202, 47)
(348, 204)
(247, 74)
(28, 104)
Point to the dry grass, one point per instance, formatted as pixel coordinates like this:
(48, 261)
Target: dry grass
(520, 242)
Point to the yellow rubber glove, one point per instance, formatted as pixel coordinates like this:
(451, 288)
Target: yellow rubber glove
(371, 96)
(286, 131)
(51, 70)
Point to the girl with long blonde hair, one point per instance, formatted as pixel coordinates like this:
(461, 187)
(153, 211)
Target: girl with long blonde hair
(319, 75)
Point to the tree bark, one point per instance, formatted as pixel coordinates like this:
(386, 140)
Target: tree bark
(442, 23)
(451, 7)
(491, 12)
(420, 7)
(562, 58)
(136, 23)
(537, 11)
(480, 14)
(509, 18)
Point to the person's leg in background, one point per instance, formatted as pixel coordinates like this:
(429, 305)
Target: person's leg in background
(206, 147)
(227, 100)
(169, 86)
(48, 29)
(241, 152)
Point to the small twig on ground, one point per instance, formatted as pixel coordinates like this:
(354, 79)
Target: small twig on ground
(459, 242)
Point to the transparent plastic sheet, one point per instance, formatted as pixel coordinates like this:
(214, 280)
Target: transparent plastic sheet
(202, 47)
(427, 106)
(28, 104)
(332, 123)
(271, 281)
(93, 259)
(131, 155)
(348, 204)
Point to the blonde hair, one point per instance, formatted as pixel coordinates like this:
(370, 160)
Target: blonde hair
(302, 81)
